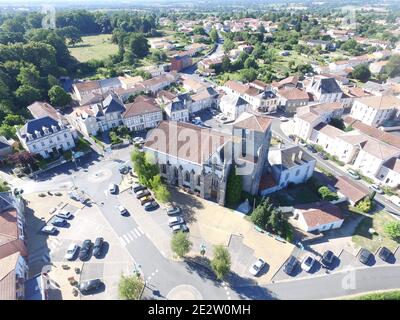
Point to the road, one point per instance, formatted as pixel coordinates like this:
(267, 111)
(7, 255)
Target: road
(339, 284)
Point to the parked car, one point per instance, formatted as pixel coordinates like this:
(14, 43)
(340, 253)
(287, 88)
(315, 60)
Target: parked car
(352, 173)
(98, 247)
(85, 249)
(142, 193)
(180, 227)
(307, 263)
(138, 140)
(124, 169)
(303, 143)
(146, 200)
(327, 259)
(257, 266)
(64, 214)
(322, 155)
(395, 200)
(283, 119)
(376, 188)
(172, 211)
(49, 230)
(385, 254)
(138, 187)
(112, 188)
(148, 206)
(71, 251)
(89, 286)
(364, 256)
(311, 148)
(290, 265)
(58, 222)
(122, 210)
(175, 220)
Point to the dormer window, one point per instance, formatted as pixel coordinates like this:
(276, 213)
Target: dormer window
(61, 125)
(54, 128)
(29, 136)
(37, 133)
(46, 130)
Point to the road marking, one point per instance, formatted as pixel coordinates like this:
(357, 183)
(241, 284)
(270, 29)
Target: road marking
(122, 241)
(126, 238)
(133, 234)
(137, 232)
(140, 230)
(130, 237)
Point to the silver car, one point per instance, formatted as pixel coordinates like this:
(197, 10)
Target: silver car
(257, 267)
(71, 251)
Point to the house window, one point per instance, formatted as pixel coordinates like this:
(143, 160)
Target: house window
(65, 135)
(287, 176)
(297, 172)
(215, 183)
(163, 168)
(175, 172)
(198, 180)
(187, 176)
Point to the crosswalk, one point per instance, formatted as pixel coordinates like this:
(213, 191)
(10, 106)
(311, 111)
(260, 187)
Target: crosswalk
(130, 236)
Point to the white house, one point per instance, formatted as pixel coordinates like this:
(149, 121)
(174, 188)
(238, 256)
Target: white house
(289, 166)
(46, 136)
(319, 216)
(233, 105)
(324, 89)
(205, 99)
(389, 174)
(142, 114)
(375, 110)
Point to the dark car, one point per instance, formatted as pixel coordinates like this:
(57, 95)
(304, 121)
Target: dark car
(85, 249)
(385, 254)
(323, 155)
(327, 258)
(311, 148)
(91, 285)
(364, 256)
(98, 247)
(59, 222)
(150, 206)
(138, 187)
(290, 265)
(142, 193)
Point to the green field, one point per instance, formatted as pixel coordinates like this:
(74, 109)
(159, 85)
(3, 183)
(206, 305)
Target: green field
(376, 221)
(389, 295)
(94, 47)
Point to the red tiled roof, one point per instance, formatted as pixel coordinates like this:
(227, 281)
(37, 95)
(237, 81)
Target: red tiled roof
(349, 189)
(320, 213)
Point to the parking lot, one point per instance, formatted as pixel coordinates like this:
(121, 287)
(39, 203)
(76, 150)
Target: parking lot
(87, 223)
(343, 261)
(209, 225)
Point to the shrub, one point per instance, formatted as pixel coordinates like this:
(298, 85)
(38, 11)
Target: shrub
(42, 195)
(180, 244)
(365, 205)
(392, 229)
(327, 194)
(130, 287)
(221, 262)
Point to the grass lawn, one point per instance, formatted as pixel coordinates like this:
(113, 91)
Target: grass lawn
(376, 221)
(94, 47)
(298, 195)
(388, 295)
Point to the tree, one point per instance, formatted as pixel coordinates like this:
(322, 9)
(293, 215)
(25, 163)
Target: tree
(214, 35)
(221, 262)
(226, 64)
(130, 287)
(180, 244)
(158, 56)
(139, 45)
(58, 96)
(248, 75)
(361, 72)
(250, 63)
(233, 187)
(22, 158)
(30, 76)
(160, 190)
(13, 120)
(228, 45)
(261, 213)
(4, 187)
(365, 205)
(26, 95)
(392, 229)
(199, 30)
(392, 68)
